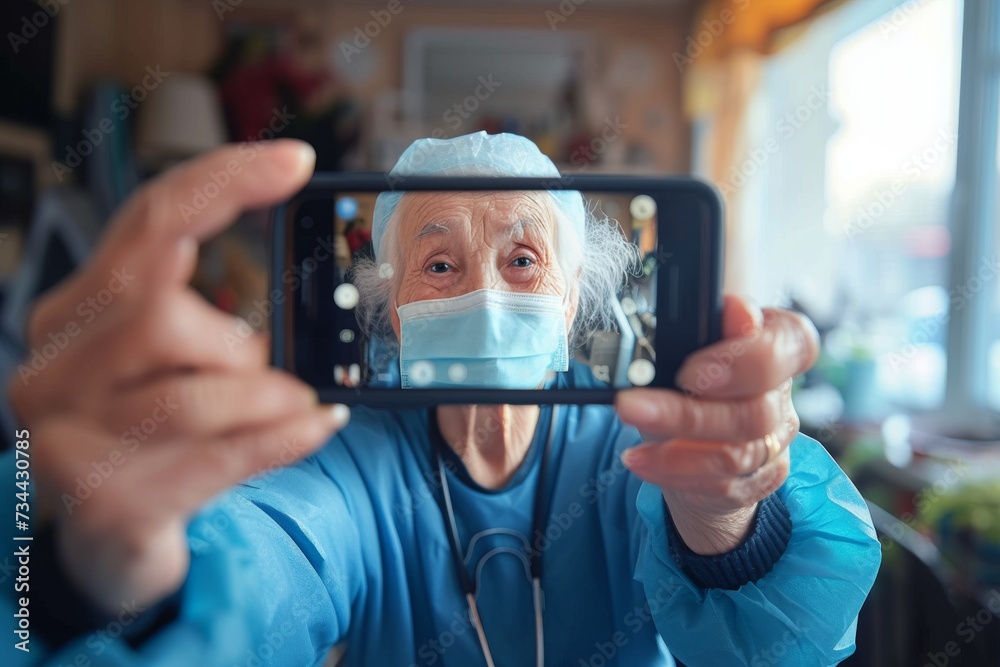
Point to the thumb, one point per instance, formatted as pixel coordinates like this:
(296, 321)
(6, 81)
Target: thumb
(198, 200)
(740, 317)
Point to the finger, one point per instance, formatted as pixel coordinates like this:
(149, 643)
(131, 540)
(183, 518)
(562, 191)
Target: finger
(204, 405)
(685, 462)
(736, 493)
(690, 463)
(784, 347)
(176, 331)
(200, 470)
(197, 200)
(668, 414)
(151, 243)
(93, 294)
(686, 466)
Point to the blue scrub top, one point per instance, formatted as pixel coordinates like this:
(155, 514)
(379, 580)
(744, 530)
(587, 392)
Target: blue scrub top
(349, 546)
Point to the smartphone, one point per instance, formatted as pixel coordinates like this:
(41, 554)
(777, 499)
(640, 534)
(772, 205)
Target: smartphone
(340, 310)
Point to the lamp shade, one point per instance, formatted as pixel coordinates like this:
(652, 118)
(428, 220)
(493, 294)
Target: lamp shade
(180, 118)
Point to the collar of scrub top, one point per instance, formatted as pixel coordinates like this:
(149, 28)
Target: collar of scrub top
(538, 525)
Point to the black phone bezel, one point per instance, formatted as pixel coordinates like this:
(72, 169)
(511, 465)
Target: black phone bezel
(695, 316)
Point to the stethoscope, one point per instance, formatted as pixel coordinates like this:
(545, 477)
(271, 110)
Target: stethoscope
(534, 557)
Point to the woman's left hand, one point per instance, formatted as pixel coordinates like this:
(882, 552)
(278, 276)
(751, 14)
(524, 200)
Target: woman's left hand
(721, 446)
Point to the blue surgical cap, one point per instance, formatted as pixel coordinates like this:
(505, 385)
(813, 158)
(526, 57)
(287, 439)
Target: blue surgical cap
(478, 154)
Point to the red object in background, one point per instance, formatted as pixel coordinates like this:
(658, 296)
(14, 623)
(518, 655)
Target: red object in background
(253, 95)
(580, 151)
(356, 238)
(225, 299)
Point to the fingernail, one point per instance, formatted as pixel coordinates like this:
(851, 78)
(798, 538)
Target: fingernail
(757, 315)
(636, 407)
(313, 396)
(307, 155)
(241, 326)
(799, 344)
(340, 415)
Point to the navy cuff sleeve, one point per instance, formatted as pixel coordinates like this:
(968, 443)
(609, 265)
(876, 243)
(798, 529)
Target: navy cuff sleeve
(748, 562)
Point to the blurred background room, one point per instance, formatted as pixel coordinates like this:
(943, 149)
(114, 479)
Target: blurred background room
(853, 141)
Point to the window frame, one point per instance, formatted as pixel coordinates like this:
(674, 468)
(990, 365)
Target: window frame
(974, 215)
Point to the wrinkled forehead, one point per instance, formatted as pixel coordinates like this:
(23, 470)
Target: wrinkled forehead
(485, 215)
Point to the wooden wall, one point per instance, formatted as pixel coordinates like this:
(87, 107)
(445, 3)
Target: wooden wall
(118, 39)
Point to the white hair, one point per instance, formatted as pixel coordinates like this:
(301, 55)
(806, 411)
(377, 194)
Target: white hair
(599, 264)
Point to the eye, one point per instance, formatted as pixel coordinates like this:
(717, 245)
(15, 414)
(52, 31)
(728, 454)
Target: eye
(440, 267)
(522, 262)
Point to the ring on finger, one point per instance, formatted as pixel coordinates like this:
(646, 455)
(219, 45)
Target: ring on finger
(773, 446)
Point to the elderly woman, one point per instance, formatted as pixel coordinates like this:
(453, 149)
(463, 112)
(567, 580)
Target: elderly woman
(461, 535)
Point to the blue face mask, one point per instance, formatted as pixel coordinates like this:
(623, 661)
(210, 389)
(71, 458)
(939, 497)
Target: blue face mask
(484, 339)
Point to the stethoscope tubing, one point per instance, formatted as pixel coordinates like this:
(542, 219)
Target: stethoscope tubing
(534, 557)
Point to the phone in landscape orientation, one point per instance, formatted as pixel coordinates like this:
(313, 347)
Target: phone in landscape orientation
(434, 321)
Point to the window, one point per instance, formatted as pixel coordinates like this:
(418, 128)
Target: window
(890, 172)
(853, 216)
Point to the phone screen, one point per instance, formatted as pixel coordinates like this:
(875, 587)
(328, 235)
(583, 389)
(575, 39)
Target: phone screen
(510, 290)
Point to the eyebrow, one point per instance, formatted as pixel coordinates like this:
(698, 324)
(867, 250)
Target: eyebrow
(521, 226)
(431, 229)
(517, 229)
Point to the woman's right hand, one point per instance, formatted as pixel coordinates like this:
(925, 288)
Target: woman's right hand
(143, 401)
